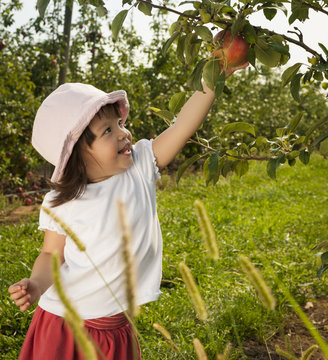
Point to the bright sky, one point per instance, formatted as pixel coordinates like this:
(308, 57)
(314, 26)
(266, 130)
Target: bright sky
(314, 29)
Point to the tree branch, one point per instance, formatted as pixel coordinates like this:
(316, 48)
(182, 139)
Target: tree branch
(258, 158)
(168, 9)
(287, 38)
(316, 8)
(298, 43)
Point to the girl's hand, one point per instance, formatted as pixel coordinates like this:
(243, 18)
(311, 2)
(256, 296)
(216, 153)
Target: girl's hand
(25, 293)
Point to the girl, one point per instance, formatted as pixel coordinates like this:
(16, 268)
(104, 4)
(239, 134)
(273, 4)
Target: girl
(80, 130)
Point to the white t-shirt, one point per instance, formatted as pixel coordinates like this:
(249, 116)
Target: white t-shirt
(94, 219)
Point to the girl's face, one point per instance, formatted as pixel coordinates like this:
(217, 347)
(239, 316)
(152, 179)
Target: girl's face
(110, 152)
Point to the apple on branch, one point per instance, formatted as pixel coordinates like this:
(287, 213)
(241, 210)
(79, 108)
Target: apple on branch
(232, 52)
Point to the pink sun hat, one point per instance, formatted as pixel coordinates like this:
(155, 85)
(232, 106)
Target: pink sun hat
(63, 116)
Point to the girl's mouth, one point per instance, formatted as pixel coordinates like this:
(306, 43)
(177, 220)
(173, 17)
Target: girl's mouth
(126, 150)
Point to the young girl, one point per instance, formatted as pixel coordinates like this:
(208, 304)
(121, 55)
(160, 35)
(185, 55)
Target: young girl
(80, 130)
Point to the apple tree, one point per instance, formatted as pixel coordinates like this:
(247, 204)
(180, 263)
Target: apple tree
(192, 37)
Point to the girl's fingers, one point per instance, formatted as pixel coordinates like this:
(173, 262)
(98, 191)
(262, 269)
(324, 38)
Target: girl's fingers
(16, 287)
(25, 306)
(18, 294)
(23, 300)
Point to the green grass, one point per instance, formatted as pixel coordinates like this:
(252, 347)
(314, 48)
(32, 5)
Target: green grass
(273, 223)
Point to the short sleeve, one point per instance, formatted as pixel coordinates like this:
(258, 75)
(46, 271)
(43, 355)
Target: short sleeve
(144, 158)
(45, 221)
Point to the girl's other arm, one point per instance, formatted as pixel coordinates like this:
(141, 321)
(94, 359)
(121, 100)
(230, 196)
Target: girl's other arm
(27, 291)
(167, 145)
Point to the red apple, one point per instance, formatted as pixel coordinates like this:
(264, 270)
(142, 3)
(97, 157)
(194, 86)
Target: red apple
(28, 201)
(231, 52)
(35, 187)
(29, 175)
(22, 195)
(19, 189)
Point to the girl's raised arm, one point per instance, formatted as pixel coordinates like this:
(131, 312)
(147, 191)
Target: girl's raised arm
(168, 144)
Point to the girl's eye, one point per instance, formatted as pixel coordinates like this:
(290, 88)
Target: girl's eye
(120, 123)
(107, 131)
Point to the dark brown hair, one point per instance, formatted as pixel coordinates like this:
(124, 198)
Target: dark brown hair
(74, 180)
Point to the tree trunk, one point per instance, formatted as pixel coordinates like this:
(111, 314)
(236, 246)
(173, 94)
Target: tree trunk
(66, 43)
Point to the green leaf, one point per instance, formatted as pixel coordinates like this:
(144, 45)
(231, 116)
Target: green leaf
(195, 79)
(314, 127)
(167, 116)
(320, 139)
(145, 8)
(177, 101)
(322, 245)
(294, 122)
(192, 45)
(42, 6)
(241, 167)
(249, 33)
(299, 12)
(280, 48)
(265, 54)
(180, 48)
(118, 22)
(101, 11)
(219, 86)
(324, 49)
(238, 126)
(324, 258)
(269, 13)
(321, 270)
(204, 33)
(291, 162)
(227, 167)
(272, 166)
(211, 72)
(295, 86)
(281, 131)
(251, 56)
(289, 73)
(212, 168)
(208, 176)
(274, 5)
(324, 147)
(293, 155)
(304, 156)
(186, 164)
(169, 42)
(237, 25)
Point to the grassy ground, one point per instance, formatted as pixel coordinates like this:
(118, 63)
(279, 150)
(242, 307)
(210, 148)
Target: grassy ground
(275, 224)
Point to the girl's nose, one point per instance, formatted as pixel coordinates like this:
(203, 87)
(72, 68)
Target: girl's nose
(121, 133)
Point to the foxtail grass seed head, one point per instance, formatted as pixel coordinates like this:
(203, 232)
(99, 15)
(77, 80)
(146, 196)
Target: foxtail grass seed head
(226, 353)
(65, 227)
(255, 277)
(193, 291)
(207, 230)
(199, 348)
(285, 354)
(59, 288)
(166, 335)
(128, 260)
(80, 335)
(309, 352)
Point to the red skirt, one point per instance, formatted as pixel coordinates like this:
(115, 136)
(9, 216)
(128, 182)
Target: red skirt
(49, 337)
